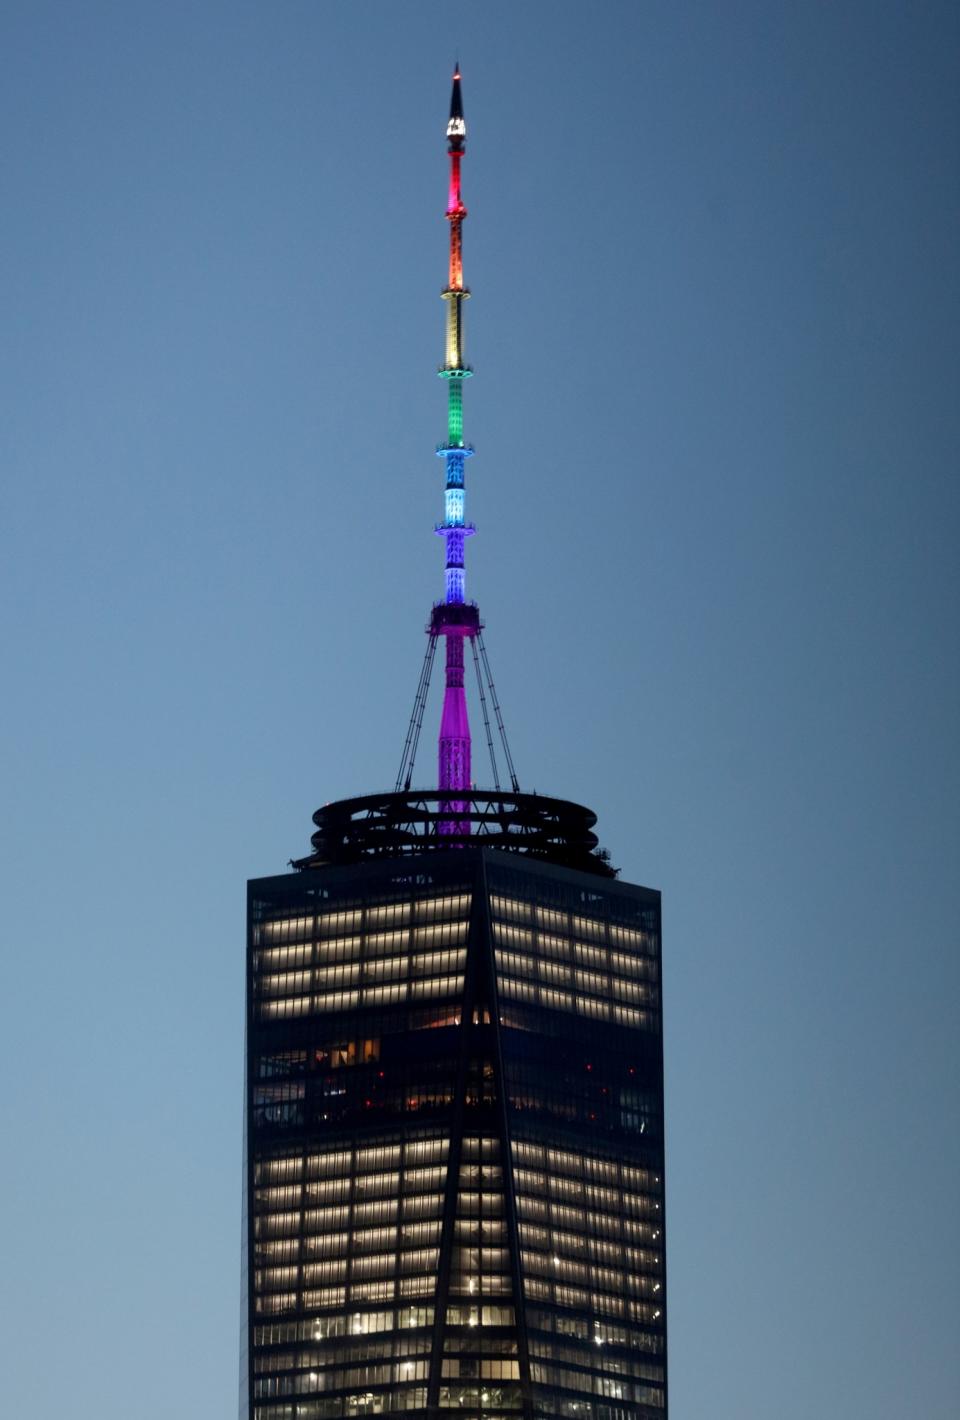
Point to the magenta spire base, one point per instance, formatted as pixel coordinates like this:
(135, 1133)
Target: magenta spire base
(454, 744)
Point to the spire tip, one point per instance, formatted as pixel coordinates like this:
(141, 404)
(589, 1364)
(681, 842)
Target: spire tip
(456, 128)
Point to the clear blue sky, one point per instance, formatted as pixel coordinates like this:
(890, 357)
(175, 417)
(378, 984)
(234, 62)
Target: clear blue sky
(713, 250)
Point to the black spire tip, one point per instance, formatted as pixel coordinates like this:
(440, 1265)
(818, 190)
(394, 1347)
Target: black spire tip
(456, 101)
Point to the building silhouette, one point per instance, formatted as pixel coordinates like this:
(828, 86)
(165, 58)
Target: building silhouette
(453, 1191)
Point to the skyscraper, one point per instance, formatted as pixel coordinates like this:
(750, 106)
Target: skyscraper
(454, 1111)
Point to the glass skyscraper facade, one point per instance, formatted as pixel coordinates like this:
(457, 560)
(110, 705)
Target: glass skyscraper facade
(454, 1174)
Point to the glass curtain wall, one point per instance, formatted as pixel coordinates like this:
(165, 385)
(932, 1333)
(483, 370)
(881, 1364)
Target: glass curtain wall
(454, 1140)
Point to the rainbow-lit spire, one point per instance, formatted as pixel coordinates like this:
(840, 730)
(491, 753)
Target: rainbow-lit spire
(454, 618)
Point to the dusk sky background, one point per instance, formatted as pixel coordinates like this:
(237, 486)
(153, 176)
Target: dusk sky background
(713, 253)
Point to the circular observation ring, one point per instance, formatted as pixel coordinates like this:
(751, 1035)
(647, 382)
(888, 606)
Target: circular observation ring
(397, 825)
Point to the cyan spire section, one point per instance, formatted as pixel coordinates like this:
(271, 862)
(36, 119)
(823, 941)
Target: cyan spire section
(454, 618)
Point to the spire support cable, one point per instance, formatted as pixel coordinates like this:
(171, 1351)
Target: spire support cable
(497, 712)
(428, 662)
(486, 714)
(431, 651)
(416, 718)
(413, 718)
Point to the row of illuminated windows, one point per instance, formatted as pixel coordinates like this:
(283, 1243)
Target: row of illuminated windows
(597, 983)
(600, 958)
(374, 1156)
(337, 1162)
(588, 1274)
(562, 951)
(645, 1231)
(370, 946)
(610, 1386)
(596, 1199)
(566, 1215)
(595, 1332)
(519, 911)
(583, 1245)
(555, 1000)
(347, 1053)
(320, 1220)
(310, 1382)
(595, 1356)
(486, 1175)
(559, 974)
(516, 910)
(573, 924)
(329, 1244)
(562, 1186)
(473, 1205)
(485, 1259)
(480, 1315)
(342, 1054)
(587, 1166)
(364, 1323)
(484, 1147)
(327, 924)
(491, 1284)
(415, 1180)
(379, 1290)
(304, 953)
(352, 1000)
(358, 1264)
(469, 1229)
(465, 1283)
(384, 1290)
(454, 1368)
(272, 1221)
(391, 968)
(368, 1323)
(398, 1347)
(562, 1294)
(398, 1400)
(571, 1186)
(392, 912)
(288, 929)
(608, 1224)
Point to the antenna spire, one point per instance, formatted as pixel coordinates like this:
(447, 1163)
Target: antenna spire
(454, 618)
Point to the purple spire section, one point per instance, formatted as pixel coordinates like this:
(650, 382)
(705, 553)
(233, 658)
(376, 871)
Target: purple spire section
(454, 748)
